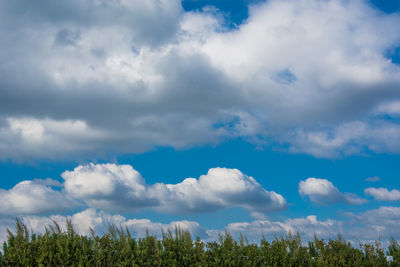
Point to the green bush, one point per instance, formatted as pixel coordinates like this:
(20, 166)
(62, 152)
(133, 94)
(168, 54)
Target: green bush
(117, 247)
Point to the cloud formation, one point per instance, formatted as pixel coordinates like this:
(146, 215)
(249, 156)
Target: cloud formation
(323, 192)
(118, 188)
(85, 78)
(383, 194)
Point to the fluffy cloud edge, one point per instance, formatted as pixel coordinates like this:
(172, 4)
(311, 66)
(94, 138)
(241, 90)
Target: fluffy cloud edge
(34, 197)
(324, 192)
(107, 186)
(383, 194)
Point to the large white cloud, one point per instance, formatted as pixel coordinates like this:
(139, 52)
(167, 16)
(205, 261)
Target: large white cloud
(323, 192)
(219, 188)
(84, 78)
(383, 194)
(109, 186)
(121, 188)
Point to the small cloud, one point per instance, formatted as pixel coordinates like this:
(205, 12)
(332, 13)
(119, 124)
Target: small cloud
(372, 179)
(383, 194)
(323, 192)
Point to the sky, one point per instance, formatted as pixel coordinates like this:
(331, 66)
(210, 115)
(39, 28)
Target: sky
(247, 116)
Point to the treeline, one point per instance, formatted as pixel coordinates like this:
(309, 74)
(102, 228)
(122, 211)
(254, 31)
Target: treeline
(119, 248)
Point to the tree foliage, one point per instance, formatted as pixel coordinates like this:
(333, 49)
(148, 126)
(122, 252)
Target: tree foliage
(118, 247)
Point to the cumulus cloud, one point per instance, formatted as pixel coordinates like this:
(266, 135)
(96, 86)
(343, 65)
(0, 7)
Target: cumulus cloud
(323, 192)
(219, 188)
(84, 78)
(383, 194)
(108, 186)
(30, 197)
(121, 188)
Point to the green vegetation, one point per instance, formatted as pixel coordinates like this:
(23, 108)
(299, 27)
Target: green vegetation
(118, 248)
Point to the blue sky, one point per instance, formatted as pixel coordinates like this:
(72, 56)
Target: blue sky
(283, 114)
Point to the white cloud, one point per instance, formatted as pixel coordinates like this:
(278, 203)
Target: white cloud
(108, 186)
(121, 188)
(29, 197)
(219, 188)
(323, 192)
(310, 74)
(383, 194)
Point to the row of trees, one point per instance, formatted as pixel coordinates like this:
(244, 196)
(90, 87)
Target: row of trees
(119, 248)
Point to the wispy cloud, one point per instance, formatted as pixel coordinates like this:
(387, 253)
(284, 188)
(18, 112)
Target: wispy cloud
(373, 179)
